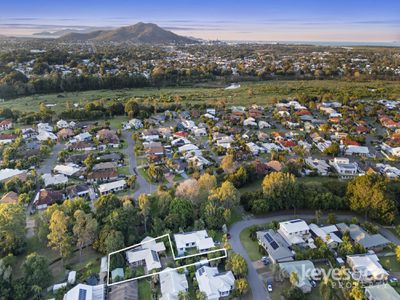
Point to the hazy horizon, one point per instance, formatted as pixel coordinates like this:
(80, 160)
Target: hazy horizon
(252, 20)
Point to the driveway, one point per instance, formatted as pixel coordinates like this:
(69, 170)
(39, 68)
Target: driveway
(144, 186)
(257, 287)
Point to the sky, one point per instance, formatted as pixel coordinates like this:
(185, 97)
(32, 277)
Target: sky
(252, 20)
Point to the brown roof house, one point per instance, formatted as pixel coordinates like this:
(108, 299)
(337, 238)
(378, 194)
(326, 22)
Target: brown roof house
(46, 198)
(109, 137)
(9, 198)
(102, 175)
(65, 133)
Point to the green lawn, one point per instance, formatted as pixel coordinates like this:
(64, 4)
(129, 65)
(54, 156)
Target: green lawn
(250, 245)
(251, 187)
(390, 263)
(144, 290)
(124, 171)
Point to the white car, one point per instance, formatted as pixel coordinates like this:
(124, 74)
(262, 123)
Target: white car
(269, 288)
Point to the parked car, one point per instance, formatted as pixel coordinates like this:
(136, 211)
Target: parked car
(313, 283)
(269, 288)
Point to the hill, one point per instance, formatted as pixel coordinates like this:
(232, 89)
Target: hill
(140, 33)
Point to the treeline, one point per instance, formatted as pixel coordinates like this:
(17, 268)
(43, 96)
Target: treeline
(372, 195)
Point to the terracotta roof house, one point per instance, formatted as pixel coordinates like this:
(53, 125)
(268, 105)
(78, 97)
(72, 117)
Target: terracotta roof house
(65, 133)
(9, 198)
(274, 165)
(108, 136)
(6, 124)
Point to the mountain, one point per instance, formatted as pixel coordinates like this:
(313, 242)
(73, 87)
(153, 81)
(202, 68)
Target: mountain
(63, 32)
(141, 33)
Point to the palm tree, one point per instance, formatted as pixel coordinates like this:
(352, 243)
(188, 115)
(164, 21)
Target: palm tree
(294, 278)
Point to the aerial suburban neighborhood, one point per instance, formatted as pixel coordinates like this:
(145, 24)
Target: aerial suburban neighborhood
(232, 151)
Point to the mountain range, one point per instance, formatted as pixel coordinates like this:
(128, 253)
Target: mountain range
(140, 33)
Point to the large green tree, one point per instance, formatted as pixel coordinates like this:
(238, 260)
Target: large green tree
(370, 195)
(12, 229)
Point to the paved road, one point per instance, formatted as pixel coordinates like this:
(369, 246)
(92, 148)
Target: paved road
(257, 286)
(48, 165)
(144, 186)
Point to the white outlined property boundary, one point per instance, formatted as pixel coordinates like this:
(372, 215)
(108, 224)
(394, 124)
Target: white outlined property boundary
(173, 254)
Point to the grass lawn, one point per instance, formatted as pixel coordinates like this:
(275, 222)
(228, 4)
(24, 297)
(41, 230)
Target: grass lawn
(250, 245)
(124, 171)
(261, 93)
(390, 263)
(144, 290)
(116, 122)
(235, 217)
(251, 187)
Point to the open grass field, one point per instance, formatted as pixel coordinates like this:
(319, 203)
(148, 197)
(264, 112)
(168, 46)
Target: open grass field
(250, 245)
(249, 92)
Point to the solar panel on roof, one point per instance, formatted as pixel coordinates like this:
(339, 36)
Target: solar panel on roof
(155, 256)
(274, 245)
(268, 238)
(82, 294)
(201, 271)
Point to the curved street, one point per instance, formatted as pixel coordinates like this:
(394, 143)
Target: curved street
(256, 285)
(144, 186)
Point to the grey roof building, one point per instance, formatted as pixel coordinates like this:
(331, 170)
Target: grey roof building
(359, 235)
(277, 248)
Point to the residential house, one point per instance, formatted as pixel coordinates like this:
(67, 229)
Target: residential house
(319, 165)
(374, 242)
(108, 137)
(65, 133)
(366, 268)
(147, 254)
(150, 135)
(7, 174)
(296, 232)
(81, 146)
(303, 269)
(105, 166)
(78, 190)
(112, 187)
(277, 248)
(382, 291)
(46, 198)
(214, 284)
(344, 167)
(102, 175)
(7, 138)
(328, 234)
(57, 179)
(196, 239)
(172, 283)
(68, 169)
(86, 292)
(6, 124)
(9, 198)
(198, 161)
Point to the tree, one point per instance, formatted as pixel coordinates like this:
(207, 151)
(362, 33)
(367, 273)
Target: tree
(370, 195)
(84, 229)
(89, 162)
(183, 295)
(207, 183)
(228, 164)
(131, 181)
(331, 218)
(237, 264)
(144, 202)
(200, 295)
(155, 172)
(227, 194)
(12, 229)
(333, 149)
(318, 215)
(294, 293)
(281, 191)
(357, 292)
(398, 253)
(59, 237)
(104, 205)
(180, 214)
(36, 271)
(5, 280)
(188, 189)
(242, 286)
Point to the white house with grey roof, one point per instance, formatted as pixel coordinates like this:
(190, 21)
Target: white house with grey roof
(86, 292)
(381, 292)
(172, 283)
(303, 269)
(213, 284)
(369, 241)
(196, 239)
(328, 235)
(147, 254)
(366, 268)
(277, 248)
(296, 232)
